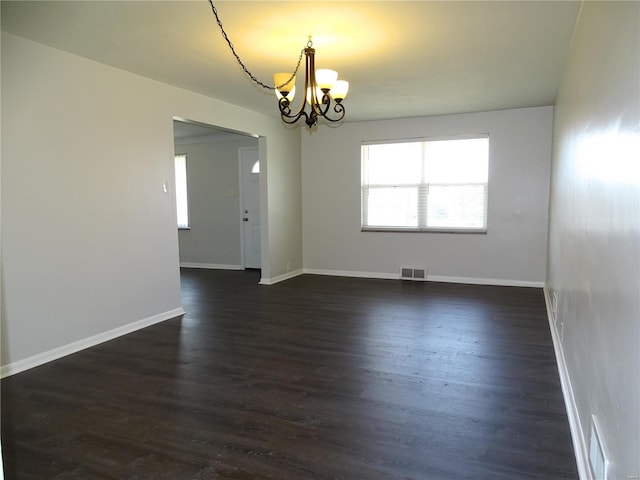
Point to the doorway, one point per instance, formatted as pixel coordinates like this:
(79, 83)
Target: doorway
(215, 234)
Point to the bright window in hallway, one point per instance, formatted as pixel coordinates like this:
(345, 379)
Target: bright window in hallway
(182, 204)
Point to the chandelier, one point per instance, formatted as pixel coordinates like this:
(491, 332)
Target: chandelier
(320, 88)
(322, 95)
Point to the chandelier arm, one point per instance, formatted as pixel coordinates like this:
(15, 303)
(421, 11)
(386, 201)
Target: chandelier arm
(240, 62)
(285, 112)
(285, 109)
(288, 117)
(322, 106)
(339, 109)
(284, 106)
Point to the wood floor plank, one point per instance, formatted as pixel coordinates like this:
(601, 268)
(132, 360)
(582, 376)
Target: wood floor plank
(313, 378)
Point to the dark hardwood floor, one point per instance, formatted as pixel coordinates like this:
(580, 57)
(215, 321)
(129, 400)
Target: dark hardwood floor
(313, 378)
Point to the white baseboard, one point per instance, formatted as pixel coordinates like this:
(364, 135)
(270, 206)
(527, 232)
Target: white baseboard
(430, 278)
(580, 446)
(382, 275)
(280, 278)
(354, 274)
(499, 282)
(211, 266)
(59, 352)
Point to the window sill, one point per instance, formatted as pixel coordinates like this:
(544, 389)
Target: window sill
(184, 228)
(467, 231)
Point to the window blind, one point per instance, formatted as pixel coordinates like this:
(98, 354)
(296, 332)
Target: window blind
(435, 185)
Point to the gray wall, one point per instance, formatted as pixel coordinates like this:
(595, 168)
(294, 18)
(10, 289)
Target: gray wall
(512, 252)
(89, 240)
(213, 240)
(594, 241)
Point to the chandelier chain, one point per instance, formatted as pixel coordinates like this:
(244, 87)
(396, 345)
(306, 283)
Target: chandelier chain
(241, 63)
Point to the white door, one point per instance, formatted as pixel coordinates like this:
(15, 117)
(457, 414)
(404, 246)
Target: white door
(250, 186)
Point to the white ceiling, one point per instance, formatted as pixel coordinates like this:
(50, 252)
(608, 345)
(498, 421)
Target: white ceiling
(402, 59)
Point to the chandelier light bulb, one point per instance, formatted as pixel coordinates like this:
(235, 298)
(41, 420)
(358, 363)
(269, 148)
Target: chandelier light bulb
(325, 78)
(289, 95)
(285, 85)
(319, 95)
(339, 90)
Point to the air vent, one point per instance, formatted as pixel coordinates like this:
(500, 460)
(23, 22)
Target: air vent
(413, 273)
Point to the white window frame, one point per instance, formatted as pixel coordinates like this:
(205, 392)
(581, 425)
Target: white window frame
(421, 186)
(182, 197)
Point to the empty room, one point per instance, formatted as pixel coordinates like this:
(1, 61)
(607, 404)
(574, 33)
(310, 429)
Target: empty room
(222, 260)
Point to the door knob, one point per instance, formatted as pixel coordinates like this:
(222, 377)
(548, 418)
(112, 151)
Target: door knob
(245, 219)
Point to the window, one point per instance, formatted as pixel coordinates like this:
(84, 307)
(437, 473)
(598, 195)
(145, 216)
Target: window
(426, 186)
(182, 205)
